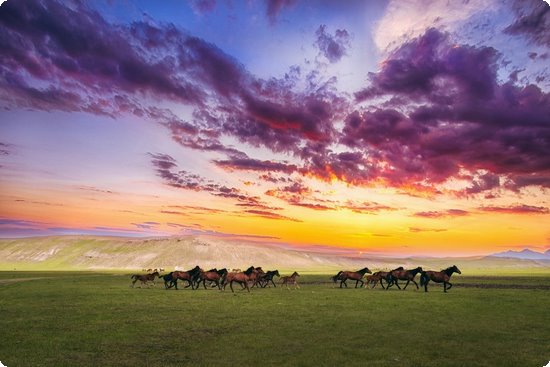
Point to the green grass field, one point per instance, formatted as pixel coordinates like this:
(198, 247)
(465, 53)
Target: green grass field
(94, 319)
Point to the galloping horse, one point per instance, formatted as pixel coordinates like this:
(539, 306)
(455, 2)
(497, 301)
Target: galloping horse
(268, 277)
(190, 276)
(286, 280)
(241, 277)
(212, 275)
(353, 275)
(144, 278)
(401, 274)
(439, 277)
(256, 276)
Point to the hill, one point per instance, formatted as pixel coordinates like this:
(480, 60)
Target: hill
(96, 253)
(524, 254)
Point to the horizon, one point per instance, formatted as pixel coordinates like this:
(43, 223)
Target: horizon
(377, 127)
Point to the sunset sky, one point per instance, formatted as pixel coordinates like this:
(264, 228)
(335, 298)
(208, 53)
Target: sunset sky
(392, 127)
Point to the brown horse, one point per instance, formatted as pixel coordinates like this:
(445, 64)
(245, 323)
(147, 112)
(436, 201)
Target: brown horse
(290, 280)
(378, 277)
(144, 278)
(439, 277)
(353, 275)
(190, 276)
(213, 276)
(402, 274)
(241, 277)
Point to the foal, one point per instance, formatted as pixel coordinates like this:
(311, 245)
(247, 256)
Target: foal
(290, 280)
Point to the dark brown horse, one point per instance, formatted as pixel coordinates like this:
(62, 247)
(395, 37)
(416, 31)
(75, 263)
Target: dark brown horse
(290, 280)
(439, 277)
(190, 276)
(241, 277)
(401, 274)
(353, 275)
(144, 278)
(268, 277)
(213, 276)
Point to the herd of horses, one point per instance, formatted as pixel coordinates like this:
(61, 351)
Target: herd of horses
(257, 277)
(393, 277)
(220, 278)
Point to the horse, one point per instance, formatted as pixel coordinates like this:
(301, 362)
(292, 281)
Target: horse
(144, 278)
(353, 275)
(169, 280)
(336, 277)
(268, 277)
(190, 276)
(439, 277)
(401, 274)
(375, 278)
(256, 276)
(213, 276)
(286, 280)
(241, 277)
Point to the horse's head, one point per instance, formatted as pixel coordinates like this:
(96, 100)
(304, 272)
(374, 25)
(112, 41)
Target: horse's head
(365, 270)
(276, 273)
(222, 272)
(295, 274)
(156, 274)
(456, 269)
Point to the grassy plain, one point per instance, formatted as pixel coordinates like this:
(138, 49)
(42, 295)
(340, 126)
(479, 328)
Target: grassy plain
(96, 319)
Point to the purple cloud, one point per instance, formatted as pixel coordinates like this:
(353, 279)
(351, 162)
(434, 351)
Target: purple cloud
(274, 7)
(333, 47)
(533, 21)
(444, 99)
(516, 209)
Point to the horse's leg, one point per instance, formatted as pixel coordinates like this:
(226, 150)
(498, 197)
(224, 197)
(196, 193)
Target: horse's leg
(408, 281)
(426, 285)
(449, 285)
(415, 283)
(231, 286)
(397, 283)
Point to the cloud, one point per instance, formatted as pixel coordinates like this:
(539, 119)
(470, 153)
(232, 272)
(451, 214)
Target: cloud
(442, 99)
(533, 21)
(333, 47)
(366, 207)
(442, 214)
(411, 127)
(407, 19)
(270, 215)
(515, 209)
(274, 8)
(249, 164)
(419, 230)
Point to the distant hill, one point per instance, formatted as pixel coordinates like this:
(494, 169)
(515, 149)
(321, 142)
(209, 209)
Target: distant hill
(524, 254)
(135, 254)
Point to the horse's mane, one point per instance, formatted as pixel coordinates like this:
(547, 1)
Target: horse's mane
(449, 270)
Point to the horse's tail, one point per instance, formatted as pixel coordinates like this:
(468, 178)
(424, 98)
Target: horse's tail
(423, 278)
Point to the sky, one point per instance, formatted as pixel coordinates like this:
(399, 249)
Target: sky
(360, 127)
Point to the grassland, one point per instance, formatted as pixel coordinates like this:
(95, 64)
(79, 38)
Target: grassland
(95, 319)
